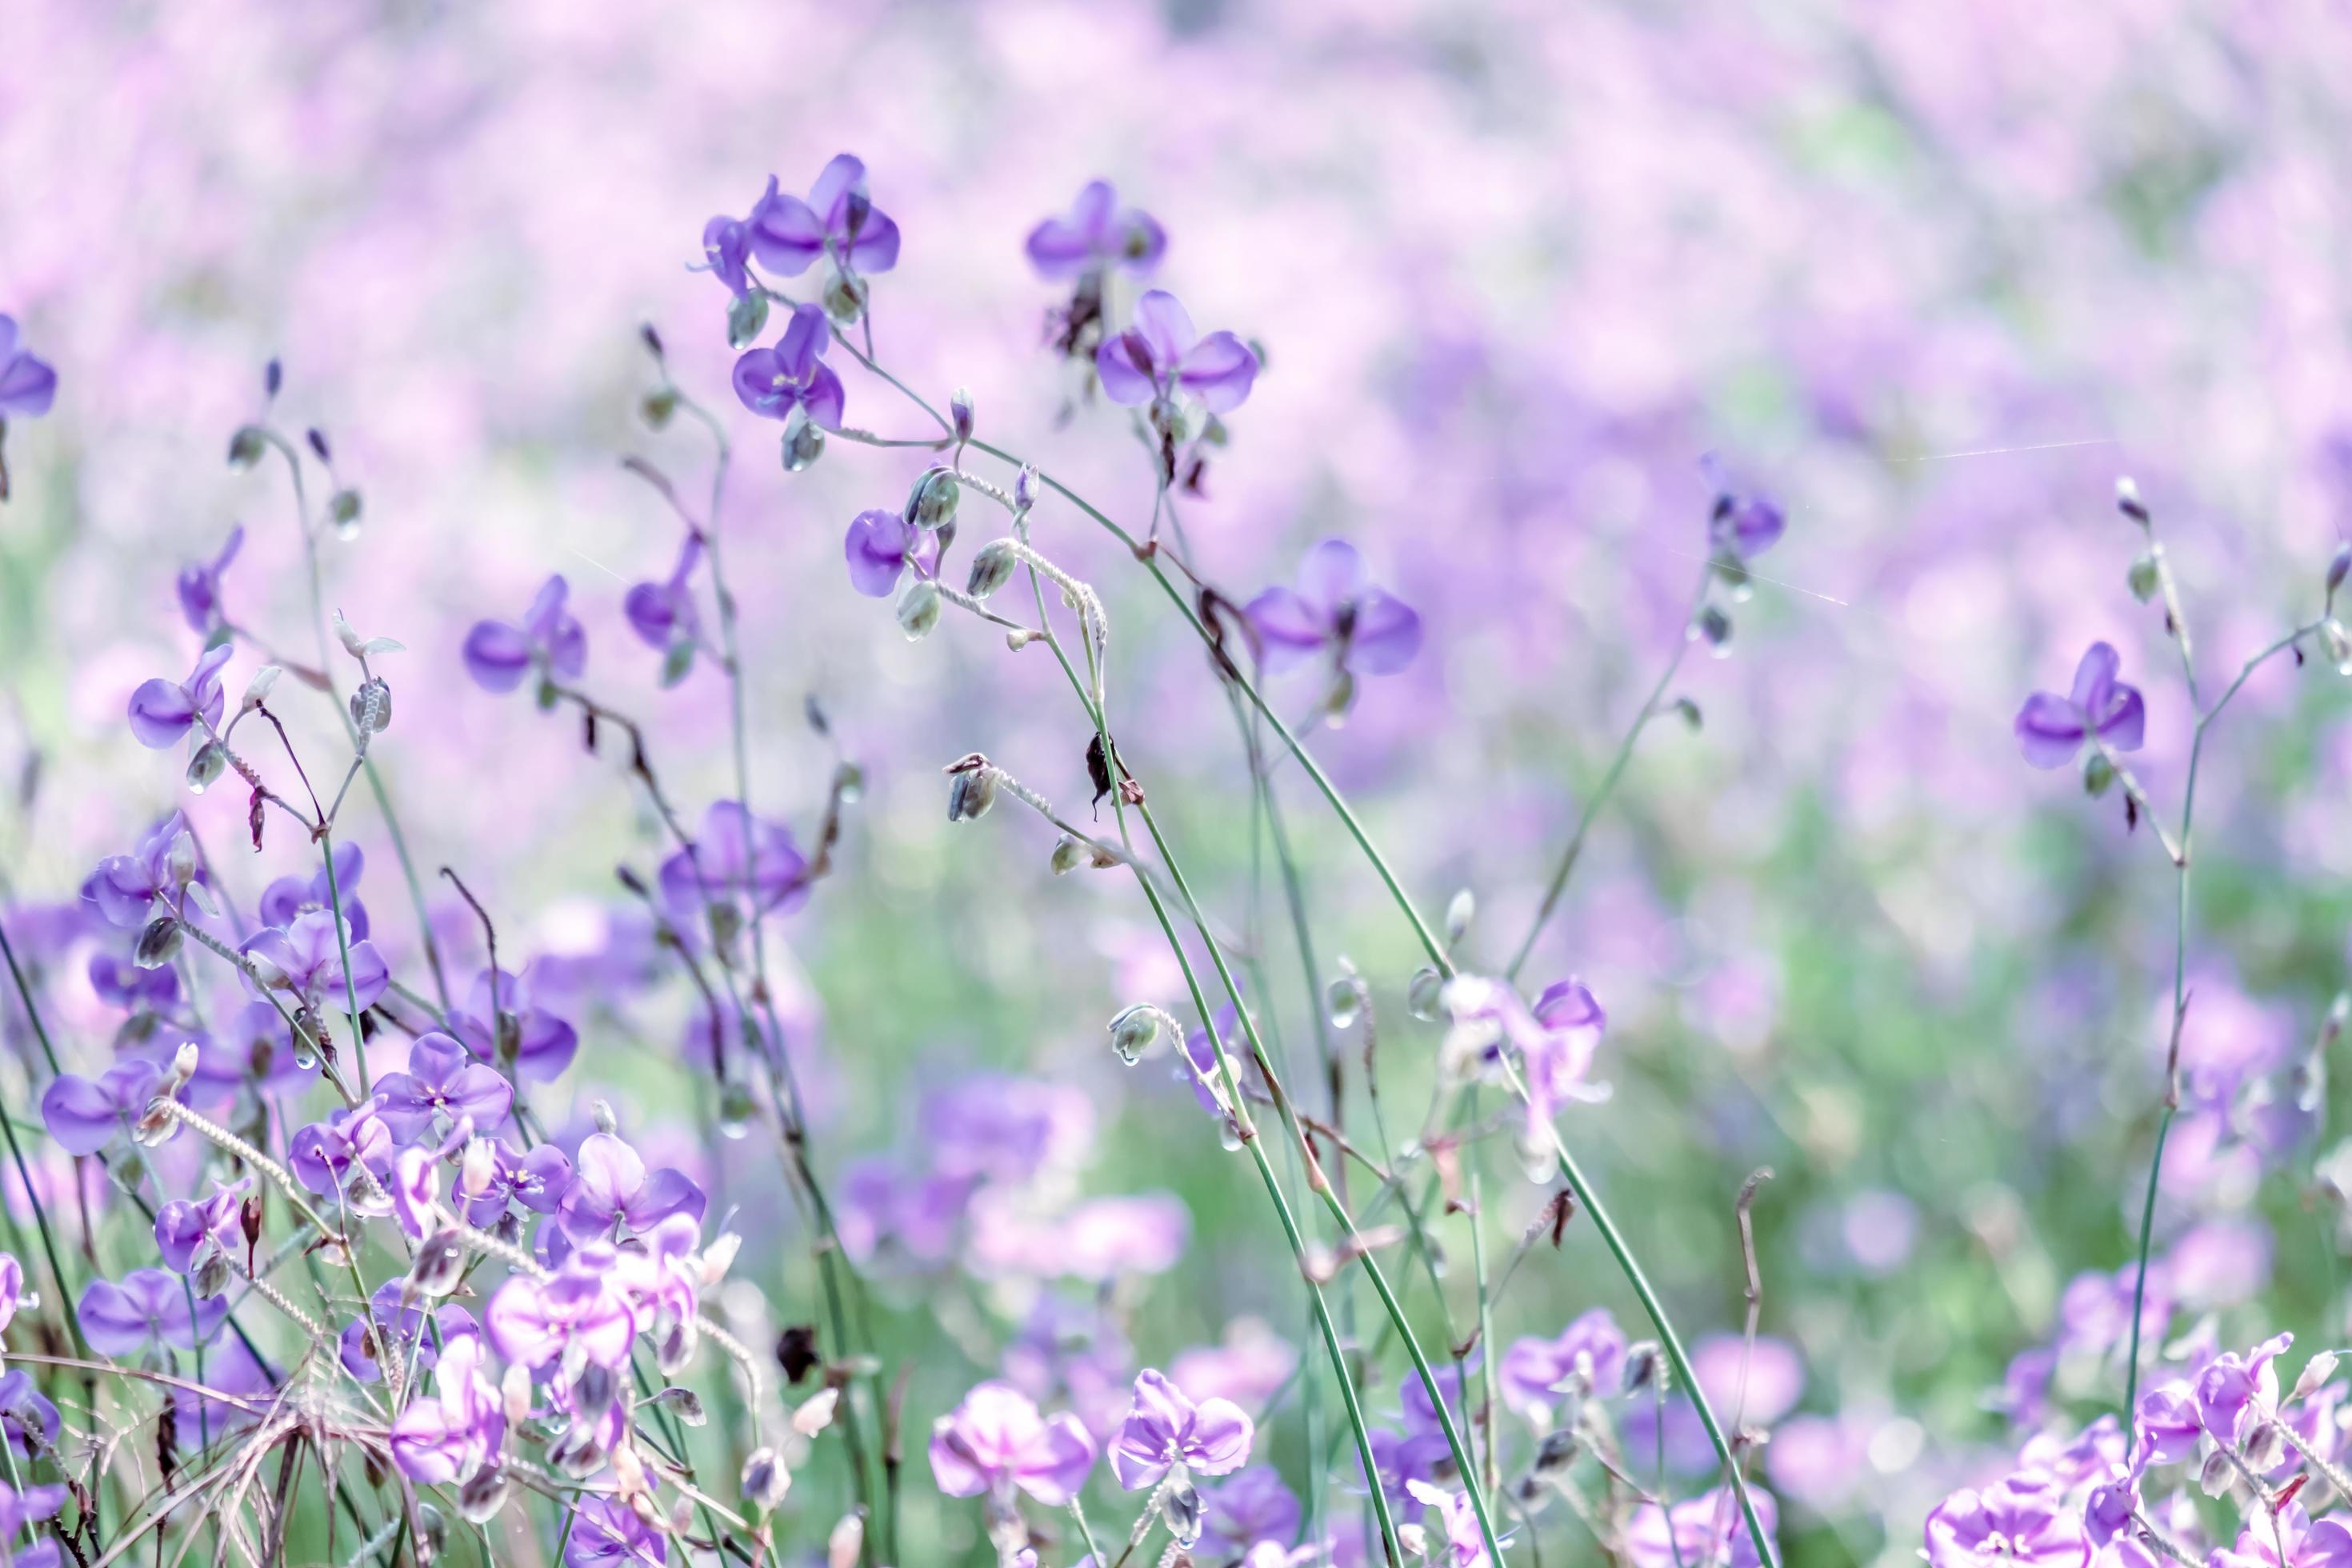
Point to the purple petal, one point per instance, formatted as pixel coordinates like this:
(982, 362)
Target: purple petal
(757, 377)
(496, 656)
(1166, 326)
(1055, 1467)
(805, 339)
(2095, 675)
(28, 387)
(845, 173)
(876, 249)
(113, 1322)
(1330, 575)
(2049, 731)
(823, 400)
(785, 235)
(1387, 634)
(160, 713)
(1291, 629)
(1124, 381)
(875, 548)
(81, 1115)
(1220, 371)
(1221, 1434)
(2126, 724)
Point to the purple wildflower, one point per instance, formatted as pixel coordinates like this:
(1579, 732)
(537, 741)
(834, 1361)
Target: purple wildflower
(1162, 353)
(287, 899)
(391, 1325)
(2052, 729)
(537, 1180)
(28, 385)
(309, 954)
(161, 710)
(773, 381)
(610, 1533)
(882, 545)
(499, 653)
(996, 1441)
(28, 1419)
(254, 1048)
(1164, 1428)
(199, 587)
(150, 1308)
(738, 860)
(124, 888)
(2325, 1543)
(662, 614)
(2235, 1391)
(442, 1079)
(1741, 525)
(20, 1510)
(323, 1155)
(189, 1230)
(535, 1322)
(726, 248)
(789, 234)
(501, 1020)
(1555, 1041)
(1336, 610)
(85, 1115)
(449, 1437)
(1586, 1360)
(1706, 1531)
(1466, 1542)
(2022, 1519)
(611, 1187)
(12, 1288)
(1095, 234)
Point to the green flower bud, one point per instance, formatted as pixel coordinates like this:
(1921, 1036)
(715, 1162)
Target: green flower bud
(2144, 577)
(991, 566)
(745, 318)
(919, 608)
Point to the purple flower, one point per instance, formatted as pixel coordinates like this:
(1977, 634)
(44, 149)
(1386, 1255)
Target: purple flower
(12, 1288)
(502, 1020)
(442, 1079)
(1163, 353)
(1164, 1428)
(1096, 232)
(128, 986)
(737, 860)
(161, 710)
(727, 245)
(499, 653)
(255, 1047)
(84, 1115)
(917, 1217)
(2324, 1545)
(771, 382)
(148, 1308)
(789, 234)
(388, 1325)
(288, 898)
(2234, 1388)
(449, 1437)
(310, 952)
(611, 1533)
(200, 587)
(188, 1230)
(2052, 729)
(1252, 1506)
(882, 545)
(124, 888)
(996, 1441)
(1466, 1542)
(1744, 526)
(537, 1180)
(1588, 1358)
(27, 385)
(20, 1510)
(1706, 1530)
(2020, 1520)
(323, 1155)
(611, 1187)
(535, 1322)
(1336, 610)
(27, 1420)
(663, 612)
(1555, 1041)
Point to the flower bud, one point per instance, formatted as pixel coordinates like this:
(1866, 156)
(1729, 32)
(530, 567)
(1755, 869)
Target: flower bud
(273, 376)
(933, 499)
(1024, 487)
(156, 1125)
(439, 1264)
(816, 1413)
(2315, 1373)
(845, 299)
(2338, 642)
(2128, 500)
(745, 318)
(659, 408)
(344, 507)
(213, 1276)
(514, 1394)
(606, 1122)
(2338, 568)
(765, 1480)
(971, 794)
(257, 690)
(683, 1403)
(370, 705)
(2097, 774)
(1068, 855)
(484, 1496)
(2144, 578)
(181, 866)
(265, 973)
(1458, 915)
(245, 447)
(432, 1532)
(1714, 626)
(159, 943)
(917, 608)
(959, 411)
(1133, 1030)
(846, 1540)
(991, 567)
(1425, 994)
(183, 1066)
(478, 1169)
(803, 442)
(209, 763)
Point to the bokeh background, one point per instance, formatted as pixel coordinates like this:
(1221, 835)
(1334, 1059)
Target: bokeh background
(1932, 275)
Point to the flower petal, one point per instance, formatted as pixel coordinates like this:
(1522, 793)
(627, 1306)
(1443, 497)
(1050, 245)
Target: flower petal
(1220, 371)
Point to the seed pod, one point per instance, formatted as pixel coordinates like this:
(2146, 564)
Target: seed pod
(933, 499)
(159, 943)
(919, 608)
(206, 765)
(991, 566)
(1068, 855)
(1133, 1030)
(971, 794)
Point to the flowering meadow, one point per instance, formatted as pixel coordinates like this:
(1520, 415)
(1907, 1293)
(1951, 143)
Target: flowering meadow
(1038, 785)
